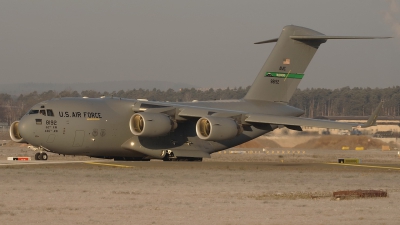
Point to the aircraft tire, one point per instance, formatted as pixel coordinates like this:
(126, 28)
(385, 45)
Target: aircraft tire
(37, 156)
(43, 156)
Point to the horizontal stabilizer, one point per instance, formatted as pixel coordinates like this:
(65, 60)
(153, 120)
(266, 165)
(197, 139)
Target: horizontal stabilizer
(325, 37)
(321, 37)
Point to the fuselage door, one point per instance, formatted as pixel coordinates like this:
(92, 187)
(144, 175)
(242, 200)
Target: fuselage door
(51, 138)
(79, 136)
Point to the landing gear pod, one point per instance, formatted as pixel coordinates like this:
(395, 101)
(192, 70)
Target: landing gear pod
(151, 124)
(14, 133)
(217, 128)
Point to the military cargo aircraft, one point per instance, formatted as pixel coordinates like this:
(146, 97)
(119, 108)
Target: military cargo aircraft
(129, 129)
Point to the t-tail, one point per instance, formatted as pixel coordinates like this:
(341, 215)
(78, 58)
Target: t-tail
(285, 67)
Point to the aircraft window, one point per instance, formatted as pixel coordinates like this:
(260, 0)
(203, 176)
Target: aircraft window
(33, 111)
(43, 112)
(50, 112)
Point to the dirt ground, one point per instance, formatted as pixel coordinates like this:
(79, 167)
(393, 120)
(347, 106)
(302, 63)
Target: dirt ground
(273, 188)
(317, 142)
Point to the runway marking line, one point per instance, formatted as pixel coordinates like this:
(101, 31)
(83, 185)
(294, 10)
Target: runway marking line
(380, 167)
(108, 164)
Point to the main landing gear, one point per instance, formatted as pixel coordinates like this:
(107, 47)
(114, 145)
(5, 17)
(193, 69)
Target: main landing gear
(169, 156)
(41, 156)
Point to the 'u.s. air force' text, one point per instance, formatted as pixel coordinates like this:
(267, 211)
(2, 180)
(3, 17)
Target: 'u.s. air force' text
(80, 114)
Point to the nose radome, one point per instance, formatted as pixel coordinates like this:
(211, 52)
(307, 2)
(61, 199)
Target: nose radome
(22, 127)
(19, 130)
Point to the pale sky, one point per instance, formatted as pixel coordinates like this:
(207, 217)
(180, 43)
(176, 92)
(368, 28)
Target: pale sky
(207, 43)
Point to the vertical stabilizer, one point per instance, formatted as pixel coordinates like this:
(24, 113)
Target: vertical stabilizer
(284, 68)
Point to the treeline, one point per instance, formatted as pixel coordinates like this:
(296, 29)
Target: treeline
(347, 101)
(315, 102)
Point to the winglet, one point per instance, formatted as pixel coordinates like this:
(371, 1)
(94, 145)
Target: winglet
(372, 119)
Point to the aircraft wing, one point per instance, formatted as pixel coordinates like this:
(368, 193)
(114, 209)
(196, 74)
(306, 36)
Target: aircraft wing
(290, 122)
(298, 121)
(294, 122)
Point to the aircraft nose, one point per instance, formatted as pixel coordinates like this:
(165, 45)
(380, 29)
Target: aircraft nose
(23, 127)
(19, 130)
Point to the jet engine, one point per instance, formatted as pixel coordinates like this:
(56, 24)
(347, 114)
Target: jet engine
(151, 124)
(14, 133)
(217, 128)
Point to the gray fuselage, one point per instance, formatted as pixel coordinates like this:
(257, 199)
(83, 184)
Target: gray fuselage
(99, 127)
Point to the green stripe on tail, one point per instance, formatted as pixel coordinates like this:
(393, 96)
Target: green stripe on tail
(284, 75)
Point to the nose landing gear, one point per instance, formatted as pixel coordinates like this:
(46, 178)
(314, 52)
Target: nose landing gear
(41, 156)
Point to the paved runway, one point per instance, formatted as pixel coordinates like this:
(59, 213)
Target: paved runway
(34, 162)
(82, 190)
(259, 166)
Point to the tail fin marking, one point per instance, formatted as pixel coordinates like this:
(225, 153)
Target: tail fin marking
(285, 67)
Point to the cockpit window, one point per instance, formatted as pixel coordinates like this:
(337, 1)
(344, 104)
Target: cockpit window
(50, 112)
(42, 111)
(33, 111)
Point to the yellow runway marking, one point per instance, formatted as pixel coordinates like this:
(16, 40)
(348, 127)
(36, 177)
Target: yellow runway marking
(380, 167)
(108, 164)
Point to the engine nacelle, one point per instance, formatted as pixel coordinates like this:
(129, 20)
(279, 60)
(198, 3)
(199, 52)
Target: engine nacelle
(151, 124)
(217, 128)
(14, 133)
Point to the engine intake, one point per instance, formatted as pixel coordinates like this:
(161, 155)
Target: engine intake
(217, 128)
(151, 124)
(14, 133)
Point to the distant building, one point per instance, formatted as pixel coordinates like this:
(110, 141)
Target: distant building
(384, 124)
